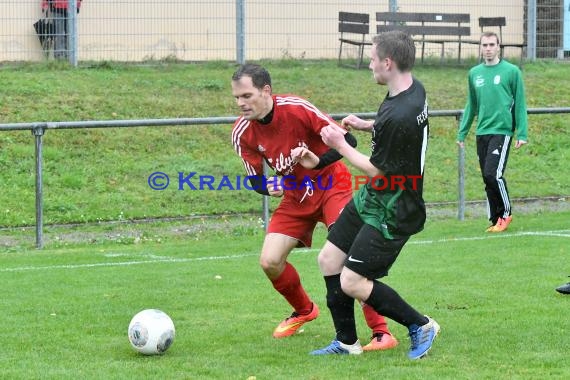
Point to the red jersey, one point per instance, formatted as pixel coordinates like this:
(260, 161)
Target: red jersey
(296, 123)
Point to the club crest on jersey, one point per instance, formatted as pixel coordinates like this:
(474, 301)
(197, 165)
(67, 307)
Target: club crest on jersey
(260, 148)
(479, 81)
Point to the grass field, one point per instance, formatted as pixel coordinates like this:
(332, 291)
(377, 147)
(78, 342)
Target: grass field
(101, 175)
(67, 307)
(66, 311)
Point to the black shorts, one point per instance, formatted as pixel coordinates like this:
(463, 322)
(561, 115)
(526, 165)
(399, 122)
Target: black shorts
(369, 253)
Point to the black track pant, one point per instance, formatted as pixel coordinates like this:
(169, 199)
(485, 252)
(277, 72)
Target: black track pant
(493, 153)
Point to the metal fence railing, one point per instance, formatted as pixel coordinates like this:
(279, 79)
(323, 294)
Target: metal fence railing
(38, 130)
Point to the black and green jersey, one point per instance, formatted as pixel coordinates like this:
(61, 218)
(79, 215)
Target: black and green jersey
(394, 203)
(496, 96)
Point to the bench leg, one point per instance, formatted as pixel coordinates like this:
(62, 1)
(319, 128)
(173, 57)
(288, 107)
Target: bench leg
(339, 53)
(459, 54)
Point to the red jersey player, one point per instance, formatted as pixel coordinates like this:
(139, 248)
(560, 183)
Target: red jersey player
(270, 128)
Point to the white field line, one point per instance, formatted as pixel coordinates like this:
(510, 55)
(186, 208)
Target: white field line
(560, 233)
(162, 259)
(165, 259)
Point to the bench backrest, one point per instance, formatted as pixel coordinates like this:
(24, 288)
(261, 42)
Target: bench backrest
(493, 22)
(355, 23)
(425, 24)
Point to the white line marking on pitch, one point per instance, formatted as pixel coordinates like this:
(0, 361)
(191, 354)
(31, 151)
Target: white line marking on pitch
(165, 259)
(561, 233)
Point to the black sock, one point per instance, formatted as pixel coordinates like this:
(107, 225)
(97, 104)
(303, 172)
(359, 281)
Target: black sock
(341, 307)
(387, 302)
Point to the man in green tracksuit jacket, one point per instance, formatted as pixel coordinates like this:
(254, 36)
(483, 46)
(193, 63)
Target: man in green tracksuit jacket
(496, 96)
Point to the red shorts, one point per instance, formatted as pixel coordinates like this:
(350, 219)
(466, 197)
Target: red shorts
(296, 216)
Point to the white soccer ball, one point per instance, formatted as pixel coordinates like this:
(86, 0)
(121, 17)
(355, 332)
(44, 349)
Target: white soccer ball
(151, 332)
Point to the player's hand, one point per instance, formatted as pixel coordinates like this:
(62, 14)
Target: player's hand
(333, 136)
(354, 122)
(520, 143)
(274, 187)
(304, 157)
(461, 144)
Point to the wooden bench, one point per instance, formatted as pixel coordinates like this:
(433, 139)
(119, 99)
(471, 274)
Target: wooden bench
(354, 29)
(441, 28)
(487, 22)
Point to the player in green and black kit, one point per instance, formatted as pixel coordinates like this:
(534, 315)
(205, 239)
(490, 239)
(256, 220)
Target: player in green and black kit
(373, 228)
(496, 96)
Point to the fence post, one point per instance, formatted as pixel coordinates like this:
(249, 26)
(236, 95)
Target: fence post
(72, 32)
(461, 176)
(265, 201)
(38, 131)
(531, 30)
(240, 31)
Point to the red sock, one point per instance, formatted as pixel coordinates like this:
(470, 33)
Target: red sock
(289, 285)
(375, 321)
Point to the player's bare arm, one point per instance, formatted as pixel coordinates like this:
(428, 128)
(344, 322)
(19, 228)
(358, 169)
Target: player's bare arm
(333, 136)
(354, 122)
(305, 157)
(309, 160)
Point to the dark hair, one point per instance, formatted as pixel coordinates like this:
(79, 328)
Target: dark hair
(259, 76)
(490, 34)
(398, 46)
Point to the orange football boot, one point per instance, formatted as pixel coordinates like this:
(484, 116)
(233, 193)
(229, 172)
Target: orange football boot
(290, 325)
(381, 341)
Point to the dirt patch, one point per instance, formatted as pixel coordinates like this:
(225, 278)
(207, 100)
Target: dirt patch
(478, 209)
(157, 230)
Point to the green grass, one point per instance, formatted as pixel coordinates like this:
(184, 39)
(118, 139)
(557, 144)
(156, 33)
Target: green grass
(66, 310)
(101, 175)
